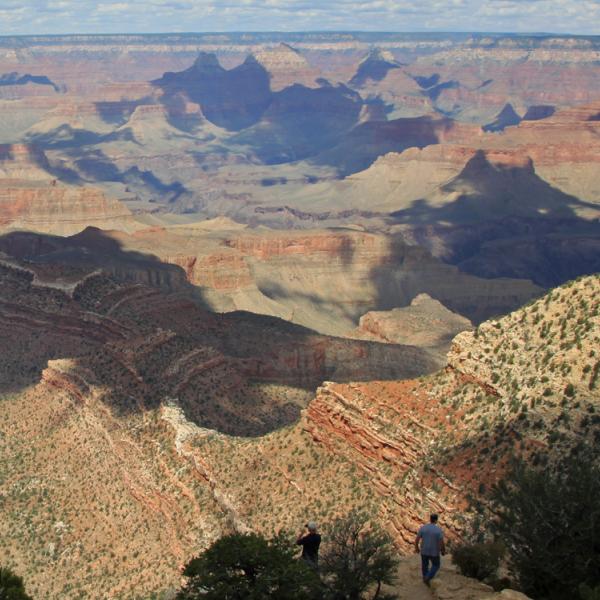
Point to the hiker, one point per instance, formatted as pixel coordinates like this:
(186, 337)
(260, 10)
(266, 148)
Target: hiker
(310, 543)
(431, 537)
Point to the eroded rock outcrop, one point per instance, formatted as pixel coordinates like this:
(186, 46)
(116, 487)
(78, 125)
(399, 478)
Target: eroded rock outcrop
(49, 207)
(426, 322)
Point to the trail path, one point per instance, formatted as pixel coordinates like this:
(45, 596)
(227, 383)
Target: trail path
(409, 585)
(447, 585)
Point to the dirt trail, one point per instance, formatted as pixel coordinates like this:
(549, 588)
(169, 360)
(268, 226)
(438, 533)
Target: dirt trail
(447, 585)
(409, 584)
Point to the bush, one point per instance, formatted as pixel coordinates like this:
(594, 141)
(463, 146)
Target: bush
(249, 567)
(359, 558)
(480, 561)
(11, 586)
(550, 523)
(587, 593)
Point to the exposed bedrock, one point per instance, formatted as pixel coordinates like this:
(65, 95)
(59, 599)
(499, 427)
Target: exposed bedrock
(143, 345)
(323, 280)
(425, 323)
(48, 207)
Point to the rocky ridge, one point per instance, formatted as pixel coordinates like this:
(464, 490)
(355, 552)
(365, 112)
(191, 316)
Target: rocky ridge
(399, 448)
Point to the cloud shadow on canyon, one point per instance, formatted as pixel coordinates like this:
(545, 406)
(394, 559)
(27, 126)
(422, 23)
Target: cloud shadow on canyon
(363, 144)
(138, 329)
(505, 221)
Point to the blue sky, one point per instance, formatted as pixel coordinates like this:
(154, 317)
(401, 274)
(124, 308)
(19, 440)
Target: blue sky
(139, 16)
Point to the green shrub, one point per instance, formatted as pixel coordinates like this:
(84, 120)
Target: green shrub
(587, 593)
(480, 561)
(550, 522)
(358, 560)
(249, 567)
(11, 586)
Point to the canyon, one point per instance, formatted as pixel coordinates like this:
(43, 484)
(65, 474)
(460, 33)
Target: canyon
(137, 394)
(248, 279)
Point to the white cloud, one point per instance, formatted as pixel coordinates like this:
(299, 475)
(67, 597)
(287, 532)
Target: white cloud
(112, 16)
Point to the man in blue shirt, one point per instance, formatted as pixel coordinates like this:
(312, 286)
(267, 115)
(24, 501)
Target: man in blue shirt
(431, 538)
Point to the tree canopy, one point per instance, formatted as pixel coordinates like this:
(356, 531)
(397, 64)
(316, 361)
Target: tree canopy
(247, 566)
(550, 522)
(358, 559)
(11, 586)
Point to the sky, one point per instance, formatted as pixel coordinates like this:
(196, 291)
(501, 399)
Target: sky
(164, 16)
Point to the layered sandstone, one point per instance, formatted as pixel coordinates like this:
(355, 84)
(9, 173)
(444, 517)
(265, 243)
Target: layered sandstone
(426, 322)
(431, 441)
(286, 66)
(60, 209)
(322, 280)
(124, 371)
(23, 162)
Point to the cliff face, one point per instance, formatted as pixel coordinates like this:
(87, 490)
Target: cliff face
(286, 66)
(322, 280)
(476, 82)
(425, 445)
(60, 209)
(127, 381)
(31, 197)
(358, 270)
(23, 162)
(156, 346)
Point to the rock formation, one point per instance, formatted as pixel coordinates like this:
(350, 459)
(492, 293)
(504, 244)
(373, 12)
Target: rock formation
(123, 382)
(322, 280)
(233, 99)
(375, 66)
(505, 118)
(48, 207)
(286, 66)
(426, 322)
(331, 195)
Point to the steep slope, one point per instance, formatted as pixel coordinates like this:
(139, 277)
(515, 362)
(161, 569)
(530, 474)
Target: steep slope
(390, 92)
(505, 118)
(494, 185)
(101, 385)
(31, 197)
(102, 456)
(375, 66)
(303, 121)
(23, 162)
(156, 353)
(426, 322)
(47, 207)
(525, 384)
(476, 79)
